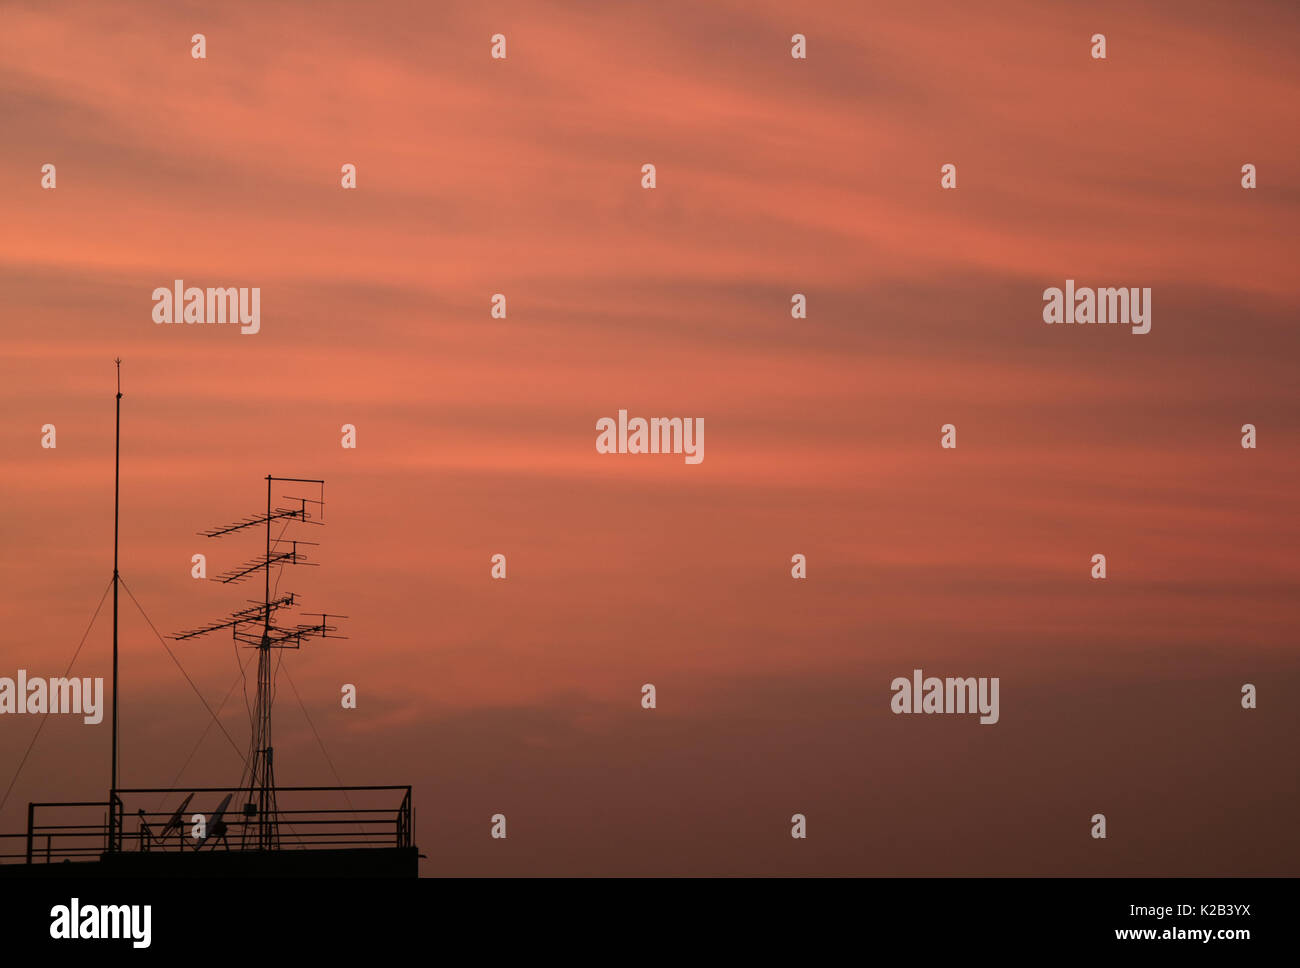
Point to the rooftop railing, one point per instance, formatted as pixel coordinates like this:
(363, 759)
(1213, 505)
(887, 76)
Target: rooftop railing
(304, 818)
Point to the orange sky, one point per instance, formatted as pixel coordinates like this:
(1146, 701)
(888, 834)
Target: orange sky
(476, 436)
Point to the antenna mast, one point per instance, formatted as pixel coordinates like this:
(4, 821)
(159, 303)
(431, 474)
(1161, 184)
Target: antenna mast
(256, 627)
(117, 474)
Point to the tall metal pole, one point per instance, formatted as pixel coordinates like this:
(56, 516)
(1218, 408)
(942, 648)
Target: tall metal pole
(117, 474)
(264, 692)
(268, 546)
(266, 819)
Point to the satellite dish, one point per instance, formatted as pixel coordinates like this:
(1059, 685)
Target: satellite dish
(177, 818)
(217, 826)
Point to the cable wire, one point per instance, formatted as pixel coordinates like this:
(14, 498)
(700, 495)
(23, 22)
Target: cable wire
(41, 725)
(323, 750)
(183, 672)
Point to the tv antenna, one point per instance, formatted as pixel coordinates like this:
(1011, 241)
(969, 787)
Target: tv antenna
(259, 627)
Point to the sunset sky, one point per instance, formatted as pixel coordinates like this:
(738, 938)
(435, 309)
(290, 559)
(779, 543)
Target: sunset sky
(475, 436)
